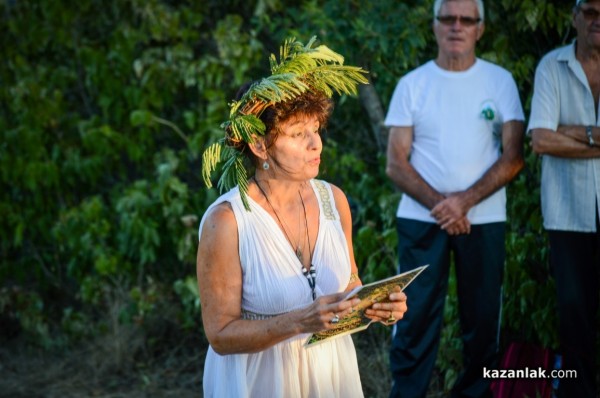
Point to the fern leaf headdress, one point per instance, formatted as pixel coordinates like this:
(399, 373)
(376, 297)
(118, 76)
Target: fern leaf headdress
(301, 68)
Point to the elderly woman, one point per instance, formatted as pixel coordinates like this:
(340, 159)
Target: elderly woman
(275, 254)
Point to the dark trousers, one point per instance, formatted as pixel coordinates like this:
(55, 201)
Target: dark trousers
(479, 263)
(575, 263)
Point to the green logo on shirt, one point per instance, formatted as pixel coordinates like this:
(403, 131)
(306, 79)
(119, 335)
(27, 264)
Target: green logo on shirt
(488, 113)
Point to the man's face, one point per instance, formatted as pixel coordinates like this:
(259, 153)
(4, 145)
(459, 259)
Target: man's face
(457, 28)
(586, 20)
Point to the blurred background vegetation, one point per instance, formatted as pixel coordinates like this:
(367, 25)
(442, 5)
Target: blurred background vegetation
(105, 108)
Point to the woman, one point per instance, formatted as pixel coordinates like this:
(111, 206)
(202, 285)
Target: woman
(275, 256)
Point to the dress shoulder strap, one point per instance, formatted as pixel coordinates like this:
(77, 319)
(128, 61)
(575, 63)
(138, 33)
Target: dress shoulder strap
(326, 200)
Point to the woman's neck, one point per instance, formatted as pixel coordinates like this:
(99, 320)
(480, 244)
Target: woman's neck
(281, 193)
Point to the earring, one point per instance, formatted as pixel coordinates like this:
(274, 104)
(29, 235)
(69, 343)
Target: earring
(265, 165)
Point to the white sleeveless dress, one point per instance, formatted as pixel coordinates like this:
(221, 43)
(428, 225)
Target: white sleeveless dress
(273, 284)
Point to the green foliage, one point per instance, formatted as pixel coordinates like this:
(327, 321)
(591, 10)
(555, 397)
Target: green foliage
(23, 310)
(187, 290)
(105, 109)
(529, 311)
(104, 112)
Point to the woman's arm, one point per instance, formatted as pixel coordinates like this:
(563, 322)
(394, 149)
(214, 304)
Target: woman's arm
(220, 285)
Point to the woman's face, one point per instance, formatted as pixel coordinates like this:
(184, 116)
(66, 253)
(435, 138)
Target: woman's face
(297, 149)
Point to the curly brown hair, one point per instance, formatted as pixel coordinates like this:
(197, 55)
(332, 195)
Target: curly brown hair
(307, 104)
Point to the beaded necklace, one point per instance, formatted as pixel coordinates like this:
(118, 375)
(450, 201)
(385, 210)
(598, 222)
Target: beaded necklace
(311, 273)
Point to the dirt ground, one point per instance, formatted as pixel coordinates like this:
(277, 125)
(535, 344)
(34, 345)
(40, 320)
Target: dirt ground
(92, 370)
(122, 368)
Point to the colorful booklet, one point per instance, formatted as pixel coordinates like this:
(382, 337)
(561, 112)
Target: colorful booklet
(368, 294)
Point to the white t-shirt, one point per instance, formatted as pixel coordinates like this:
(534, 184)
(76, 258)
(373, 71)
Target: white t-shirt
(457, 121)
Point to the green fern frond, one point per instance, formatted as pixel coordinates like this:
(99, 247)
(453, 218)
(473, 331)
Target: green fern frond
(245, 127)
(297, 58)
(235, 107)
(277, 88)
(299, 65)
(243, 183)
(289, 85)
(272, 62)
(310, 43)
(324, 53)
(234, 173)
(340, 78)
(301, 68)
(210, 158)
(228, 177)
(291, 47)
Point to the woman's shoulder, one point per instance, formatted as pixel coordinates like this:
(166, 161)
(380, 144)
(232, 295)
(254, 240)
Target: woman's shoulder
(221, 212)
(219, 218)
(223, 204)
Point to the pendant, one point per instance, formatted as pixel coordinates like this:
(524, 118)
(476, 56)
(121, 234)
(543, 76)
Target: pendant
(299, 254)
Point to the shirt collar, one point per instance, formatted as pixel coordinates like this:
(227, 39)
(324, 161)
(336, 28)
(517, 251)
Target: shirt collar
(567, 53)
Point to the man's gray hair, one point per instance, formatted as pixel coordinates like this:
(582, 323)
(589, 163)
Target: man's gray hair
(479, 3)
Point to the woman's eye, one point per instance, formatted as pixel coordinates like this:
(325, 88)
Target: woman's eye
(304, 134)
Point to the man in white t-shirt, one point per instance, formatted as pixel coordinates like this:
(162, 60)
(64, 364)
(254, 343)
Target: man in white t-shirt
(456, 140)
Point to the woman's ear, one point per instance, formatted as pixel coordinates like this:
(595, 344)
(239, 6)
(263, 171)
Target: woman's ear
(258, 147)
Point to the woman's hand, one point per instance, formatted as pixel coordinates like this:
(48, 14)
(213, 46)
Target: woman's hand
(389, 312)
(325, 312)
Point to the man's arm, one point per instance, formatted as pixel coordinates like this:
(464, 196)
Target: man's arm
(508, 165)
(566, 142)
(408, 180)
(402, 173)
